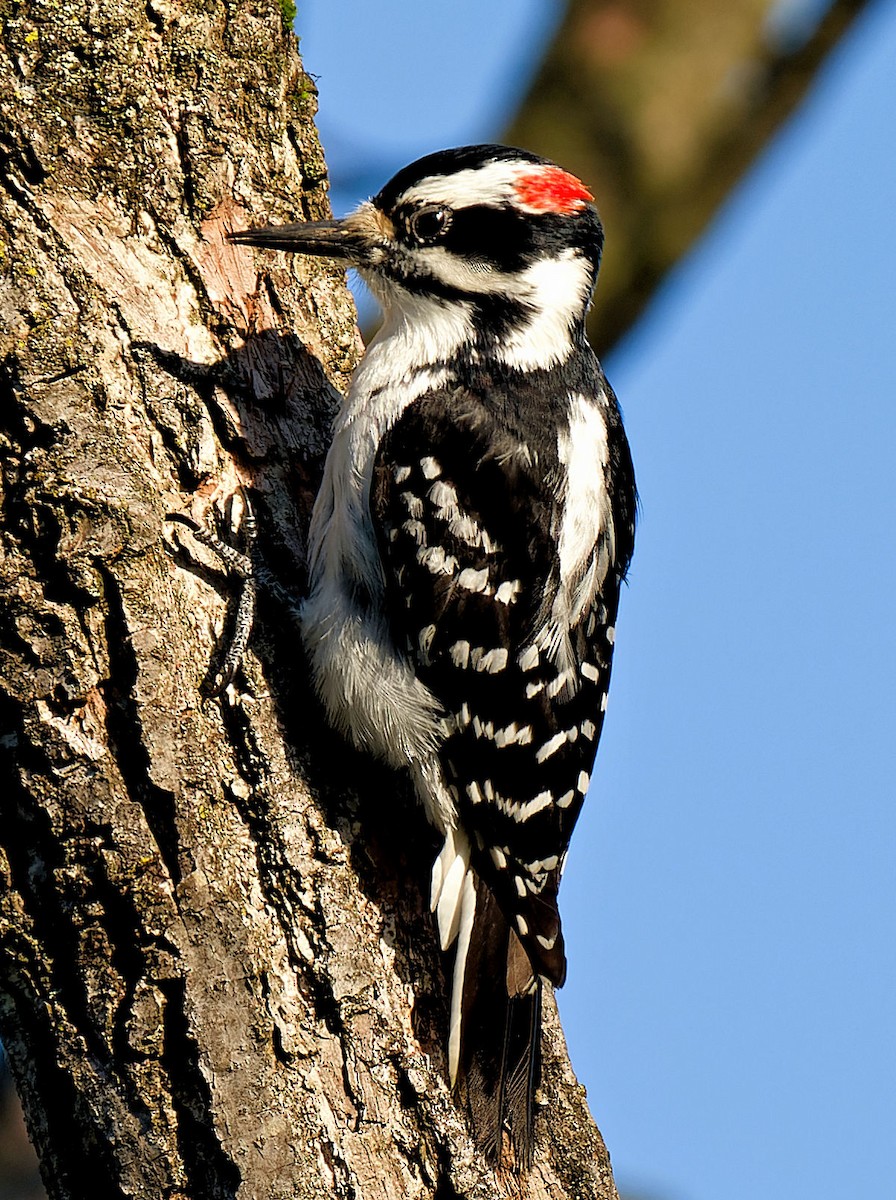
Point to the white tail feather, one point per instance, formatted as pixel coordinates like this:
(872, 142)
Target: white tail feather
(448, 875)
(440, 869)
(465, 928)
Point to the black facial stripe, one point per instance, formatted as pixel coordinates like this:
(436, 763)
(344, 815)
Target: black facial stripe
(500, 237)
(508, 240)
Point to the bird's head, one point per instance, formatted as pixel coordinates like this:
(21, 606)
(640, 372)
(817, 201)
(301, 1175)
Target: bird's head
(505, 238)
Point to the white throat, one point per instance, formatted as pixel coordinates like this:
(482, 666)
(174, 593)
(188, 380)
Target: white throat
(418, 331)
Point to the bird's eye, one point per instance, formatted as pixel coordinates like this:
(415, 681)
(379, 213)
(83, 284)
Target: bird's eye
(427, 225)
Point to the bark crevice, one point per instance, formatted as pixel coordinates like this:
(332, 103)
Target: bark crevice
(125, 735)
(208, 1169)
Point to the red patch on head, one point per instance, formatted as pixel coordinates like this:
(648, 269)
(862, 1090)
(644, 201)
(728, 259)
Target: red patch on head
(551, 189)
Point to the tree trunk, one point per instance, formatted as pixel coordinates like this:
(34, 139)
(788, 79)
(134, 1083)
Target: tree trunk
(218, 974)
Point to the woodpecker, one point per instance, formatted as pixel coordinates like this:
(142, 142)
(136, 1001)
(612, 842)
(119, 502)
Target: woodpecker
(474, 525)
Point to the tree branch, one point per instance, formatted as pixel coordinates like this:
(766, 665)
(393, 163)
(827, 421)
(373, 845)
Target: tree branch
(663, 108)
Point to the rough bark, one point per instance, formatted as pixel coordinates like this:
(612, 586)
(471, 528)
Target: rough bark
(663, 106)
(218, 976)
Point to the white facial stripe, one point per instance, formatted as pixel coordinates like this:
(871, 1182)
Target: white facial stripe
(473, 277)
(562, 287)
(492, 184)
(560, 284)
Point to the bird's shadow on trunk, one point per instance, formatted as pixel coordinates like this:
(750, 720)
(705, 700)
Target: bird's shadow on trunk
(271, 406)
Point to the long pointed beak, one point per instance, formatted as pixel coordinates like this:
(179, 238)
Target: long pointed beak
(328, 239)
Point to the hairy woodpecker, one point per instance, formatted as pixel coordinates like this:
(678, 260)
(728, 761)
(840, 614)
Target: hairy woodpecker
(475, 522)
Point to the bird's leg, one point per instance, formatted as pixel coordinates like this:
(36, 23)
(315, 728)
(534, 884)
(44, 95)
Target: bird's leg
(252, 575)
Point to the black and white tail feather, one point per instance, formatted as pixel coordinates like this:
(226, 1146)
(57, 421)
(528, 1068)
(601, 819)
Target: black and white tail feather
(473, 528)
(498, 1065)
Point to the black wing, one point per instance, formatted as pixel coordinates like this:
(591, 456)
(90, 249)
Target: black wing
(467, 516)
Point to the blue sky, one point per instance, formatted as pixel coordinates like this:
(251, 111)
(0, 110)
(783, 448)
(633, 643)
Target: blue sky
(730, 896)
